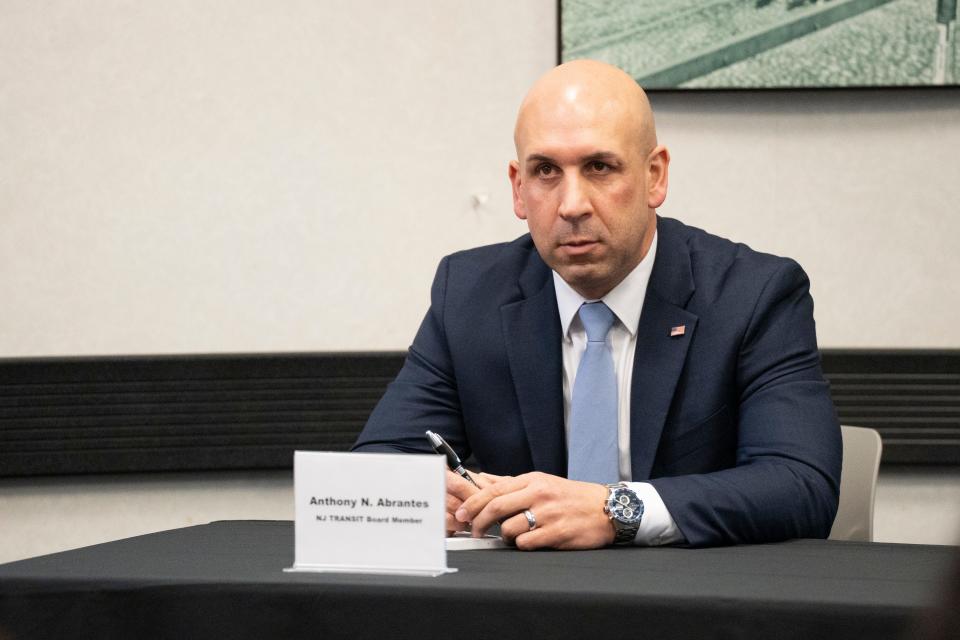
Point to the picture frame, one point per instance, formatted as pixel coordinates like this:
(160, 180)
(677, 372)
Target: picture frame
(767, 44)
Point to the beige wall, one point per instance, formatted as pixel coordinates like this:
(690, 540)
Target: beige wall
(258, 176)
(46, 515)
(862, 188)
(205, 176)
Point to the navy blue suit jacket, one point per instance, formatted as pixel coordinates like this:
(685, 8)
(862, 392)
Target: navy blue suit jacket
(732, 422)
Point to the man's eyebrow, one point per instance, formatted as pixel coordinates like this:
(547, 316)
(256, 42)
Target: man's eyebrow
(539, 157)
(599, 156)
(602, 156)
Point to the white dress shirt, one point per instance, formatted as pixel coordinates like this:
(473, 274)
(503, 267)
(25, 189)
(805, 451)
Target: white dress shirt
(626, 301)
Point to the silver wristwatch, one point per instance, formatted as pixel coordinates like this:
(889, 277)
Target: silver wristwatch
(625, 510)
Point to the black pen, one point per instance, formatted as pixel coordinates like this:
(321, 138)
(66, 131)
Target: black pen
(453, 460)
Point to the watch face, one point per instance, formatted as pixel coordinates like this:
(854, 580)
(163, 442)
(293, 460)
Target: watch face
(625, 506)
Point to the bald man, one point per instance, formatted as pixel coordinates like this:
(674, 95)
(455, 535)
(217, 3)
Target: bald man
(698, 416)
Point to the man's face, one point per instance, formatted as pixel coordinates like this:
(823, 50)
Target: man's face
(587, 187)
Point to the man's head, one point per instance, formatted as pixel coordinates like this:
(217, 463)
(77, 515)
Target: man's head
(589, 173)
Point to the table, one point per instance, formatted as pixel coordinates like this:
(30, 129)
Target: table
(225, 580)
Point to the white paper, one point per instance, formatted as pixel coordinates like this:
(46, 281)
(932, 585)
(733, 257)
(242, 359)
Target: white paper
(369, 513)
(462, 541)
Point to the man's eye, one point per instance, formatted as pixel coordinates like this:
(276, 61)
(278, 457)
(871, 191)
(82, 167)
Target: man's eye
(546, 170)
(599, 167)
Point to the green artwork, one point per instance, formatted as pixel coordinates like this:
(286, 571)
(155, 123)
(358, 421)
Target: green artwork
(750, 44)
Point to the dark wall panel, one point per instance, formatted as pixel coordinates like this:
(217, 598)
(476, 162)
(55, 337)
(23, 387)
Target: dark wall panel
(911, 397)
(88, 415)
(160, 413)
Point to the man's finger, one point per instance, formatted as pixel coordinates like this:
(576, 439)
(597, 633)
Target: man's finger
(453, 525)
(500, 508)
(453, 503)
(535, 539)
(513, 527)
(475, 503)
(459, 487)
(488, 478)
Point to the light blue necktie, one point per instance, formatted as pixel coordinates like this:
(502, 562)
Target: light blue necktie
(592, 448)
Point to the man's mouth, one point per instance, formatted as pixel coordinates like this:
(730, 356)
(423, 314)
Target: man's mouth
(578, 246)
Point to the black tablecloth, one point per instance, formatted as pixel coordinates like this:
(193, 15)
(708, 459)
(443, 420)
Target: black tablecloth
(225, 580)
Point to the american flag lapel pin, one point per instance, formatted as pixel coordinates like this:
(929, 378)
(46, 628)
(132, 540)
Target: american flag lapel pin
(678, 330)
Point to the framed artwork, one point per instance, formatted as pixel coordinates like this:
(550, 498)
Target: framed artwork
(767, 44)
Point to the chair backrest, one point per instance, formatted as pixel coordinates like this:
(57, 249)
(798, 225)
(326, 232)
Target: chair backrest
(858, 484)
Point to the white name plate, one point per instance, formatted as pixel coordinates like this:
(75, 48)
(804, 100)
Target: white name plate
(369, 513)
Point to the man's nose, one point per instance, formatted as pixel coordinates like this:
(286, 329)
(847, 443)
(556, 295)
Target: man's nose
(574, 200)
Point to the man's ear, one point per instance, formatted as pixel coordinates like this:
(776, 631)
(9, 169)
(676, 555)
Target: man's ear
(513, 172)
(658, 164)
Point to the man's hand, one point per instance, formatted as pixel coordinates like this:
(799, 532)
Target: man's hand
(569, 513)
(459, 490)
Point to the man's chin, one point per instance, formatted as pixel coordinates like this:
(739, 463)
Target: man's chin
(585, 279)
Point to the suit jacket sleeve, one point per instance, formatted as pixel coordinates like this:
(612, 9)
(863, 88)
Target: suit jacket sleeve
(785, 479)
(424, 394)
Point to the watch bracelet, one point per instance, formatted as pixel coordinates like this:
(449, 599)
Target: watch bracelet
(621, 535)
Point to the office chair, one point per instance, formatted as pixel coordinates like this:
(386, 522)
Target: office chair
(858, 484)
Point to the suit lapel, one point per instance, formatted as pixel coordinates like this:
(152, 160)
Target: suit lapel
(659, 357)
(531, 329)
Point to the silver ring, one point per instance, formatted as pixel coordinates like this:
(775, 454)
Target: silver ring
(531, 519)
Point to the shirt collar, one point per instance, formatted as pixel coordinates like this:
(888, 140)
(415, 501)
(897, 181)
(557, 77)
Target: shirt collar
(625, 299)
